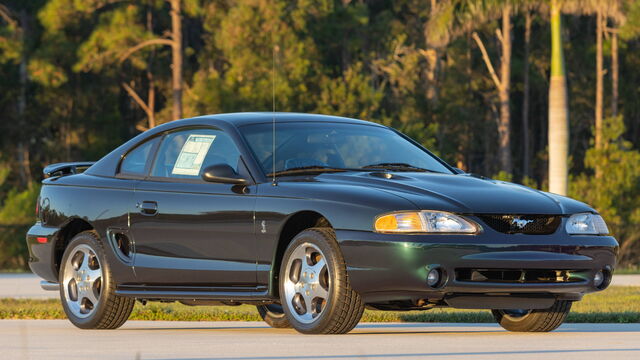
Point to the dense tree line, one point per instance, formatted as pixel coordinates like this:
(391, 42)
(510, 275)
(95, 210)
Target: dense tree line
(486, 84)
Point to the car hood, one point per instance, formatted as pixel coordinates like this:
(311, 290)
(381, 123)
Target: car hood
(462, 193)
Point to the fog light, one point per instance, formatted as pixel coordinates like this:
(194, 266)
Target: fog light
(433, 277)
(598, 279)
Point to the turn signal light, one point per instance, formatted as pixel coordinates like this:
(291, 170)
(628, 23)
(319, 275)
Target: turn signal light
(399, 222)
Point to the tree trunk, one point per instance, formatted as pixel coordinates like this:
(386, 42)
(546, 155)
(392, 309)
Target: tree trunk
(558, 109)
(504, 125)
(525, 104)
(431, 56)
(151, 100)
(599, 79)
(433, 63)
(614, 73)
(151, 94)
(23, 143)
(176, 54)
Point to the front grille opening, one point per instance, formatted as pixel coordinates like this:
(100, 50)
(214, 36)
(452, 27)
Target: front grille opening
(523, 224)
(520, 276)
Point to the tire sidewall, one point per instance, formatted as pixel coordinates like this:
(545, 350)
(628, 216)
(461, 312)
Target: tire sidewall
(273, 318)
(334, 260)
(90, 322)
(517, 324)
(542, 320)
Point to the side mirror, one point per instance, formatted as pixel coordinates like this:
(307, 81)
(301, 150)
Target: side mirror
(222, 173)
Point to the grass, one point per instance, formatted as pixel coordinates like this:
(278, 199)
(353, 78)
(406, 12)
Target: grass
(615, 305)
(631, 269)
(13, 271)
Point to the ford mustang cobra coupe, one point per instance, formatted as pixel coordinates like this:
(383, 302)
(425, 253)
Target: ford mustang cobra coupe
(311, 218)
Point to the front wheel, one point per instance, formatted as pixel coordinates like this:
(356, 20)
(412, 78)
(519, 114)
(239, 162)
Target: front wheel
(86, 286)
(544, 320)
(314, 288)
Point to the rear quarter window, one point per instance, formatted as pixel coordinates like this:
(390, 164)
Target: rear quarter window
(136, 161)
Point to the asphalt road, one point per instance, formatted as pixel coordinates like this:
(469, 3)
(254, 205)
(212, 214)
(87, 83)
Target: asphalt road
(58, 339)
(28, 285)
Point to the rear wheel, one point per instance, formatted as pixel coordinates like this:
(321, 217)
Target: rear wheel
(314, 288)
(273, 315)
(533, 320)
(87, 288)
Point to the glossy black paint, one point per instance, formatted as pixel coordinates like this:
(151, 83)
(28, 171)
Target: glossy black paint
(196, 239)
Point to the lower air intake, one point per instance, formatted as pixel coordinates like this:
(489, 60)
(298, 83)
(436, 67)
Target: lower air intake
(520, 276)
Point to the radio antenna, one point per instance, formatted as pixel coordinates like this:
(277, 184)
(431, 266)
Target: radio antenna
(273, 118)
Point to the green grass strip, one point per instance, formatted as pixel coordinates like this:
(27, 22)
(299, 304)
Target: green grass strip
(614, 305)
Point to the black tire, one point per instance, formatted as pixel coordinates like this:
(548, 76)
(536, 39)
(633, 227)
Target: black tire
(274, 316)
(343, 307)
(111, 311)
(534, 320)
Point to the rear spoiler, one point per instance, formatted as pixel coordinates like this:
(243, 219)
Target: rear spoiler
(67, 168)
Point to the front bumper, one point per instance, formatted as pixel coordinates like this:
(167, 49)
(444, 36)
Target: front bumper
(394, 267)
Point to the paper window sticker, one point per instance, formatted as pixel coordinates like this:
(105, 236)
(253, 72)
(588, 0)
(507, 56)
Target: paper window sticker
(192, 155)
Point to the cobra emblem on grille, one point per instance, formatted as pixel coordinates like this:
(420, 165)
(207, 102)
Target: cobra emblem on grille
(520, 223)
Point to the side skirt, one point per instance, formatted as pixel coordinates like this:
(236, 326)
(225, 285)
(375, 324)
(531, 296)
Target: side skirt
(226, 294)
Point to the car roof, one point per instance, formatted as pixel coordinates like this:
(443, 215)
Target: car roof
(107, 165)
(247, 118)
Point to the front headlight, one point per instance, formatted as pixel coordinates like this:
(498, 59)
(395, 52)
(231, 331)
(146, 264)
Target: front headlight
(586, 224)
(425, 222)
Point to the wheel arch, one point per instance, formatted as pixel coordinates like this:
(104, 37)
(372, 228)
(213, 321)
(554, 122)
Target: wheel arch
(73, 227)
(294, 224)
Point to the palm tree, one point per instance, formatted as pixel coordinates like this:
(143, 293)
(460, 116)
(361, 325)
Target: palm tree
(558, 108)
(526, 153)
(604, 10)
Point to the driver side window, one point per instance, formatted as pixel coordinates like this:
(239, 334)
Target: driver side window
(185, 154)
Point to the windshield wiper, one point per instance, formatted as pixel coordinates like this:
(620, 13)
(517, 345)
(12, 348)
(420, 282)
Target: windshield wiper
(311, 169)
(396, 167)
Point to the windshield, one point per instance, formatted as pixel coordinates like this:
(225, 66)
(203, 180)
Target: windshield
(336, 146)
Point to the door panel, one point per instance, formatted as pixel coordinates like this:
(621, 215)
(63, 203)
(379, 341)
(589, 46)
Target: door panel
(198, 234)
(188, 231)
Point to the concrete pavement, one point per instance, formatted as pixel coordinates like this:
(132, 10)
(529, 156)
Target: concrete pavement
(626, 280)
(58, 339)
(24, 286)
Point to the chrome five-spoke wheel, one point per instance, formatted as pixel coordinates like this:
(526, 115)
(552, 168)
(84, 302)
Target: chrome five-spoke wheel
(307, 283)
(315, 293)
(87, 289)
(82, 281)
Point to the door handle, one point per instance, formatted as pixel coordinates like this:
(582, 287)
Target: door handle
(148, 208)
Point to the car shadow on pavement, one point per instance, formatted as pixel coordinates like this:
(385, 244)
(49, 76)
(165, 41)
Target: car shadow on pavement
(507, 354)
(239, 327)
(486, 328)
(409, 328)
